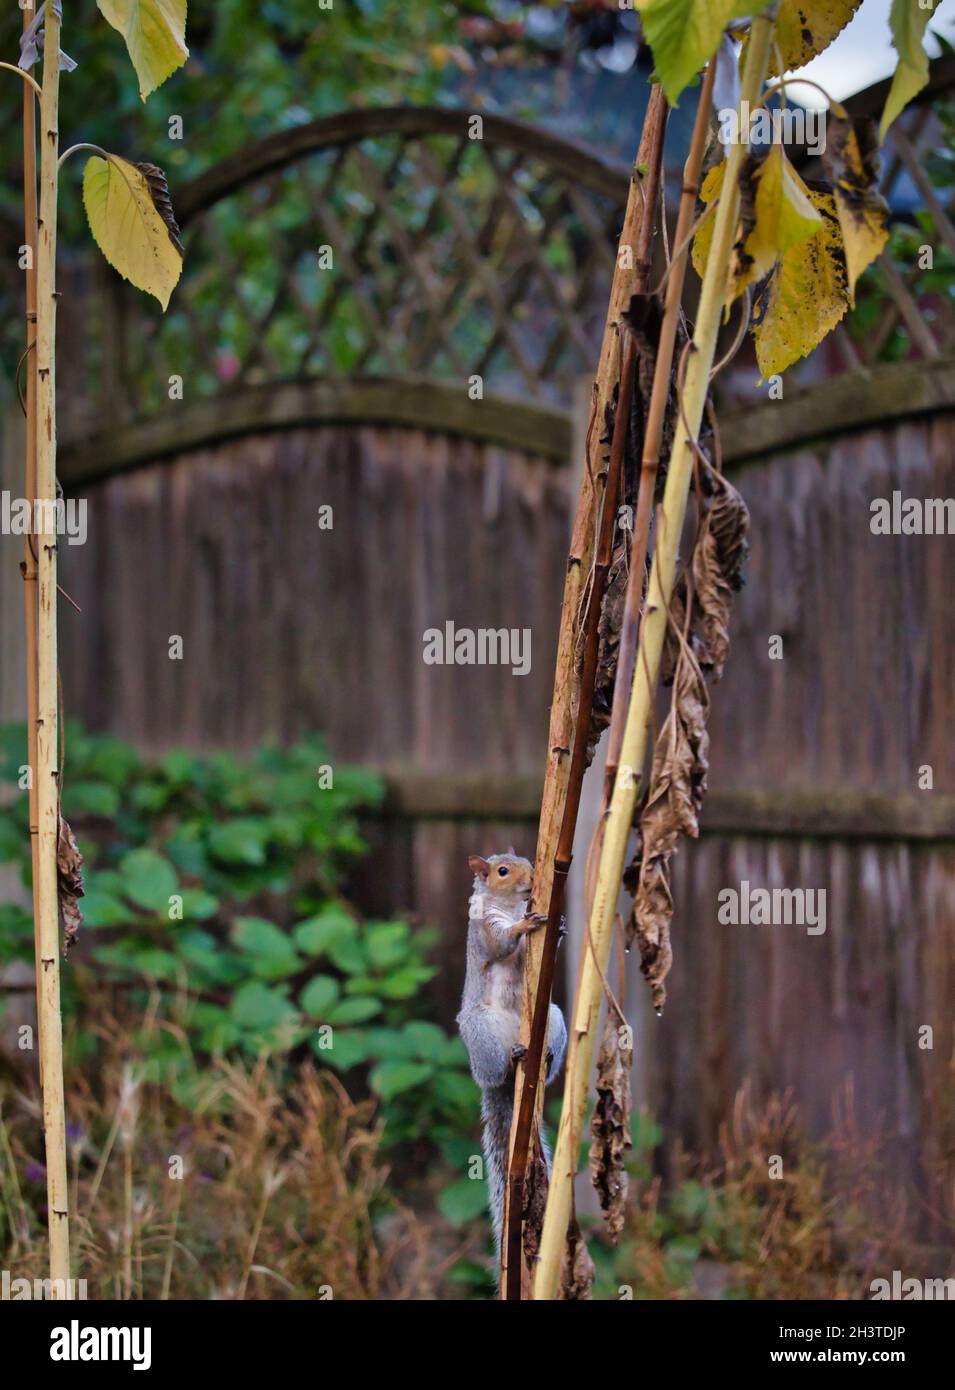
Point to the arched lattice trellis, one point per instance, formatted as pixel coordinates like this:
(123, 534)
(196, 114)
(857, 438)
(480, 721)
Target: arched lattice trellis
(384, 243)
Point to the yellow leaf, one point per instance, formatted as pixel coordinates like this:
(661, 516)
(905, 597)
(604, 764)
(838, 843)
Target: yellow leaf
(851, 160)
(128, 227)
(805, 297)
(907, 21)
(710, 190)
(155, 34)
(777, 215)
(805, 28)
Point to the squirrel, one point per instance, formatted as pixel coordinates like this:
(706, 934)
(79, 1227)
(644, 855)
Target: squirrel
(490, 1017)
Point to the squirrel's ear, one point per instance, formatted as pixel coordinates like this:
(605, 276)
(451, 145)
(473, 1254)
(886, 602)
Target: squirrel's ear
(478, 866)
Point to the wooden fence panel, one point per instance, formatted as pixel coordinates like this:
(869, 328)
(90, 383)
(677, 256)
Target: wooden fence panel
(288, 628)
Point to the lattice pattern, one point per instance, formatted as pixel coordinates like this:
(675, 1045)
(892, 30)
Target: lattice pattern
(450, 257)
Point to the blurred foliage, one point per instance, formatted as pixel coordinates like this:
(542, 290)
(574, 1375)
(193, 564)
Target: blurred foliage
(213, 899)
(774, 1217)
(268, 1190)
(255, 68)
(935, 286)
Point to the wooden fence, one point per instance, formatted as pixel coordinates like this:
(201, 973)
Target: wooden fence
(816, 757)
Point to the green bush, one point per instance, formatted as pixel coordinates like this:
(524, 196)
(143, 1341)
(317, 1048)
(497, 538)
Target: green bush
(214, 897)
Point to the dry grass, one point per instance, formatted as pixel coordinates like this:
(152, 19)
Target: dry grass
(776, 1217)
(281, 1193)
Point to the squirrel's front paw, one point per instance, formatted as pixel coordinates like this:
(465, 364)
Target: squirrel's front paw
(518, 1053)
(534, 920)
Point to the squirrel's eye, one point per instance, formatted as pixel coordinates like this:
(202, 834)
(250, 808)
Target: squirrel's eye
(502, 871)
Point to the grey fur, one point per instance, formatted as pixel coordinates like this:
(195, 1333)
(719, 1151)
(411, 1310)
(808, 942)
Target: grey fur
(489, 1020)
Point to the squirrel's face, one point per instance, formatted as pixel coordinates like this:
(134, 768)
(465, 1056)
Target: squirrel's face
(506, 874)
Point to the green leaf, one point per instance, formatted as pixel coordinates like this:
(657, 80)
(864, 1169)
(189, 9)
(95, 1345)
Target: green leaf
(318, 996)
(684, 35)
(102, 909)
(386, 944)
(463, 1201)
(149, 879)
(155, 35)
(391, 1078)
(260, 1006)
(357, 1010)
(455, 1088)
(908, 21)
(316, 934)
(348, 1049)
(428, 1041)
(128, 226)
(92, 799)
(113, 761)
(198, 905)
(239, 841)
(217, 1031)
(406, 983)
(273, 954)
(346, 953)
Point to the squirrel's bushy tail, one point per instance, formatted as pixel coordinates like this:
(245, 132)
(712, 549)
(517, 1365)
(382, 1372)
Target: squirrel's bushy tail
(497, 1107)
(497, 1104)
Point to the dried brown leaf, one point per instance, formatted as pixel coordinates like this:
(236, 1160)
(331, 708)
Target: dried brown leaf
(677, 788)
(536, 1183)
(577, 1271)
(610, 1126)
(159, 192)
(69, 868)
(718, 559)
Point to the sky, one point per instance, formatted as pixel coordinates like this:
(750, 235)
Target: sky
(863, 52)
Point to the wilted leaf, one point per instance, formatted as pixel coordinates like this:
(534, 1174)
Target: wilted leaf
(908, 20)
(577, 1271)
(536, 1183)
(776, 214)
(684, 34)
(851, 159)
(69, 868)
(805, 297)
(677, 788)
(128, 225)
(718, 558)
(805, 28)
(610, 1125)
(155, 34)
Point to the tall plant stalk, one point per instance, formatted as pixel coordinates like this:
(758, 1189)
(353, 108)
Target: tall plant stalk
(28, 567)
(596, 947)
(630, 275)
(653, 434)
(46, 773)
